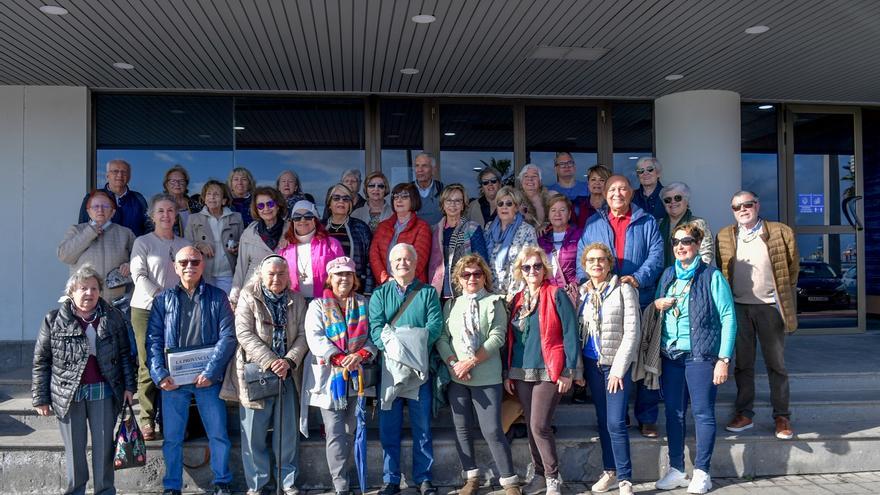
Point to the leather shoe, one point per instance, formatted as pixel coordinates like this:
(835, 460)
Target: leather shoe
(649, 430)
(390, 489)
(148, 432)
(739, 423)
(427, 488)
(783, 428)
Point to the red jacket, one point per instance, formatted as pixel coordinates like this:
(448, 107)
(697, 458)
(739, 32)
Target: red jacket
(417, 233)
(552, 342)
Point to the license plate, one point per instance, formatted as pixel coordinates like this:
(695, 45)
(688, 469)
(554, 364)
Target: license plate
(817, 299)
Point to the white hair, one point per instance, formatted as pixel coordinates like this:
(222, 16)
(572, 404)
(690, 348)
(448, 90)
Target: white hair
(118, 161)
(408, 247)
(679, 187)
(526, 168)
(428, 156)
(648, 161)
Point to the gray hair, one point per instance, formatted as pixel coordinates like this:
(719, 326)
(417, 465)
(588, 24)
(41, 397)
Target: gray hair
(428, 156)
(118, 161)
(352, 171)
(512, 193)
(679, 187)
(526, 168)
(743, 193)
(647, 161)
(158, 199)
(408, 247)
(272, 259)
(79, 276)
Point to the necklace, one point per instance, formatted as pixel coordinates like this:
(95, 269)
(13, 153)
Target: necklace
(90, 320)
(676, 311)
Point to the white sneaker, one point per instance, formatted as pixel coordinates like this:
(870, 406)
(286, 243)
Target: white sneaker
(626, 487)
(671, 480)
(605, 483)
(536, 485)
(701, 482)
(554, 486)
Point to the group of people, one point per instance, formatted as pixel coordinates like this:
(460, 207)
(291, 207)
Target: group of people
(417, 296)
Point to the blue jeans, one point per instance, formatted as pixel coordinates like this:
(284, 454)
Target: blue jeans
(175, 410)
(682, 378)
(256, 455)
(647, 406)
(611, 416)
(390, 426)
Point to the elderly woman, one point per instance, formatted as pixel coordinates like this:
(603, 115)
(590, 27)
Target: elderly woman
(215, 232)
(309, 249)
(268, 326)
(152, 269)
(83, 373)
(376, 208)
(241, 184)
(291, 188)
(99, 242)
(542, 355)
(262, 237)
(560, 243)
(453, 237)
(338, 333)
(586, 206)
(534, 194)
(352, 180)
(505, 238)
(175, 184)
(353, 235)
(699, 331)
(676, 198)
(482, 209)
(610, 318)
(405, 227)
(474, 330)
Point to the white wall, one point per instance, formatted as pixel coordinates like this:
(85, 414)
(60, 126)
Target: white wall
(44, 155)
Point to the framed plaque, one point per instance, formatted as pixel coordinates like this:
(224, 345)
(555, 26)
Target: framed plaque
(186, 363)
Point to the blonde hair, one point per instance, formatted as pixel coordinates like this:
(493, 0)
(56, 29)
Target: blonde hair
(447, 192)
(528, 252)
(601, 247)
(466, 261)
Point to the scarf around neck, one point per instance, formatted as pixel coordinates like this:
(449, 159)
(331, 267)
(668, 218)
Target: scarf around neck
(271, 236)
(472, 337)
(502, 240)
(277, 306)
(348, 332)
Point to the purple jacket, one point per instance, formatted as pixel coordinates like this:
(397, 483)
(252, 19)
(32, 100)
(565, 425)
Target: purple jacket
(567, 254)
(323, 251)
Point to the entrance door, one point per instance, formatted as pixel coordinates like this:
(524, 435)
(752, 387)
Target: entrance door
(823, 176)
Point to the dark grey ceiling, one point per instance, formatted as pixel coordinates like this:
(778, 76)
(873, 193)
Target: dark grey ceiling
(815, 51)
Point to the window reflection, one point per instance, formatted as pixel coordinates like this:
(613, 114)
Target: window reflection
(401, 128)
(550, 129)
(827, 288)
(472, 136)
(760, 159)
(633, 135)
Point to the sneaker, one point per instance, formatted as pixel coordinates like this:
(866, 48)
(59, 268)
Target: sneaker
(222, 489)
(671, 480)
(171, 491)
(649, 430)
(291, 491)
(701, 483)
(537, 485)
(625, 487)
(739, 423)
(783, 428)
(390, 489)
(554, 486)
(606, 481)
(427, 488)
(471, 486)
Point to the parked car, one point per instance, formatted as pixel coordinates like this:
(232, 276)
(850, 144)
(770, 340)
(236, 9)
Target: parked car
(850, 282)
(819, 287)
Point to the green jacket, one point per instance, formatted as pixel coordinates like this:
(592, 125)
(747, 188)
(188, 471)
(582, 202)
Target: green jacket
(424, 311)
(493, 329)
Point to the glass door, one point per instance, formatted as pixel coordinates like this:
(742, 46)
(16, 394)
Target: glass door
(823, 175)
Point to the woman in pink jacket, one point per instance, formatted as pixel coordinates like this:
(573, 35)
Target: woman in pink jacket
(309, 250)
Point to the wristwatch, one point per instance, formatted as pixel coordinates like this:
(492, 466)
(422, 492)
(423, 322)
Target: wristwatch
(725, 360)
(453, 363)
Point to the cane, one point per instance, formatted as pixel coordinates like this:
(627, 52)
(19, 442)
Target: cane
(279, 482)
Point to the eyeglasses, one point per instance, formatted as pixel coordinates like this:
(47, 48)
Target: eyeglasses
(684, 241)
(184, 263)
(177, 182)
(673, 199)
(502, 204)
(117, 172)
(340, 197)
(595, 261)
(529, 268)
(745, 204)
(100, 207)
(302, 218)
(402, 195)
(640, 171)
(267, 204)
(454, 201)
(376, 186)
(486, 182)
(565, 164)
(468, 275)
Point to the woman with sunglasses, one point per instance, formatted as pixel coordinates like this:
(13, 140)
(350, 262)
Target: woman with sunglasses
(377, 207)
(697, 340)
(676, 199)
(482, 209)
(353, 234)
(453, 237)
(505, 238)
(542, 355)
(262, 237)
(404, 227)
(474, 330)
(152, 269)
(309, 249)
(647, 196)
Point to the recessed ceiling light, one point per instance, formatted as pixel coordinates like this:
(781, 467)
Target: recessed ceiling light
(424, 19)
(393, 136)
(633, 158)
(409, 71)
(757, 29)
(53, 10)
(177, 111)
(571, 138)
(123, 65)
(765, 107)
(674, 77)
(204, 136)
(477, 169)
(238, 127)
(449, 134)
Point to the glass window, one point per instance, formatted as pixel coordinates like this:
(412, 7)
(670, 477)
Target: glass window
(402, 134)
(827, 288)
(633, 136)
(551, 129)
(871, 184)
(471, 137)
(760, 158)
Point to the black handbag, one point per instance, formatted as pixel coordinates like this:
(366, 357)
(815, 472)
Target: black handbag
(369, 375)
(260, 384)
(131, 450)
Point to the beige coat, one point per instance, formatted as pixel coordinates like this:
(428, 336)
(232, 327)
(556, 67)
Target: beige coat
(82, 245)
(199, 232)
(251, 251)
(254, 328)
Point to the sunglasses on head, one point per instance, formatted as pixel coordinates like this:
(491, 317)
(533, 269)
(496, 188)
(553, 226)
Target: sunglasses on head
(184, 263)
(640, 171)
(486, 182)
(745, 204)
(535, 267)
(302, 218)
(673, 199)
(267, 204)
(507, 204)
(476, 275)
(340, 197)
(684, 241)
(376, 186)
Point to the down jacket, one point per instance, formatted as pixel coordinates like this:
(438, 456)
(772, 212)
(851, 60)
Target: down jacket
(417, 232)
(62, 351)
(619, 332)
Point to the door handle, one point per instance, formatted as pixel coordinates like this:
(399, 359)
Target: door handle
(849, 211)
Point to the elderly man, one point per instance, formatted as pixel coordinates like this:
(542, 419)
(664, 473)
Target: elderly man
(760, 260)
(634, 237)
(131, 207)
(404, 301)
(566, 174)
(647, 197)
(192, 315)
(429, 189)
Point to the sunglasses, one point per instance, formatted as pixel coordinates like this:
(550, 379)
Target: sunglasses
(376, 186)
(567, 164)
(400, 196)
(267, 204)
(640, 171)
(745, 204)
(529, 268)
(469, 275)
(340, 197)
(673, 199)
(184, 263)
(302, 218)
(486, 182)
(684, 241)
(502, 204)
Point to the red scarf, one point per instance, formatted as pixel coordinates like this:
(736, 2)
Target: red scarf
(550, 326)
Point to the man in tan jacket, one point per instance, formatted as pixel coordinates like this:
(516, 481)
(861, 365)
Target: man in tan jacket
(760, 260)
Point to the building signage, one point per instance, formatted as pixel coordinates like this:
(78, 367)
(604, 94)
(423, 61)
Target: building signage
(811, 203)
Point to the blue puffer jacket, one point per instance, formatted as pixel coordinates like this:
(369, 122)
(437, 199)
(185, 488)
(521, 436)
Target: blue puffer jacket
(642, 252)
(218, 328)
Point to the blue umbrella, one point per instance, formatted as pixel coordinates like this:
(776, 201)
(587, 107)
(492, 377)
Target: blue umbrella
(360, 437)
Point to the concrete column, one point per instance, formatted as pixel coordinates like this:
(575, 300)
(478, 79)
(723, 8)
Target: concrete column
(698, 142)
